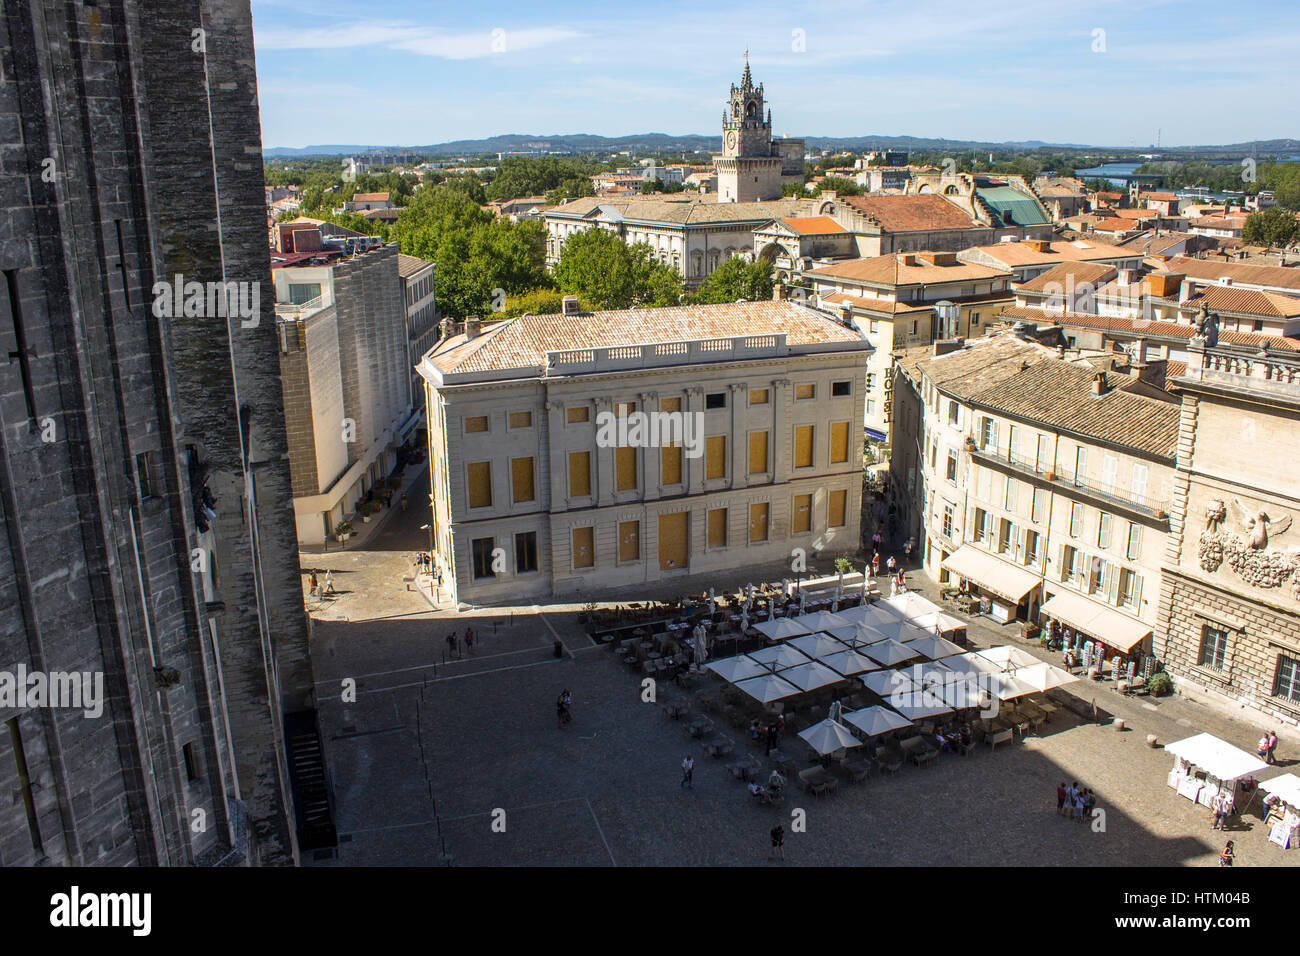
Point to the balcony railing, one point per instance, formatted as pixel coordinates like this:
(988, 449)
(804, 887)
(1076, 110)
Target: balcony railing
(1151, 507)
(301, 308)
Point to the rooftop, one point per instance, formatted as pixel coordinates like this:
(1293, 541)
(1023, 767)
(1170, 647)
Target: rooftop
(1209, 271)
(813, 225)
(889, 270)
(685, 211)
(912, 213)
(1011, 254)
(410, 265)
(1062, 276)
(1147, 328)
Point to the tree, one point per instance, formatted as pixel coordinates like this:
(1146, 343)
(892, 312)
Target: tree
(649, 186)
(574, 188)
(1272, 227)
(840, 185)
(599, 266)
(736, 279)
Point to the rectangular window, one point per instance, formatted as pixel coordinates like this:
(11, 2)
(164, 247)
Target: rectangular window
(629, 541)
(1076, 519)
(1013, 489)
(578, 414)
(144, 474)
(1140, 481)
(837, 509)
(584, 548)
(1214, 648)
(579, 474)
(1125, 594)
(670, 465)
(1097, 576)
(805, 391)
(715, 456)
(954, 412)
(525, 552)
(988, 434)
(521, 480)
(673, 404)
(841, 389)
(1103, 529)
(758, 396)
(715, 400)
(1080, 464)
(803, 446)
(801, 519)
(476, 423)
(1134, 548)
(839, 443)
(952, 466)
(624, 409)
(977, 530)
(757, 453)
(1004, 535)
(521, 419)
(1069, 563)
(1287, 682)
(1036, 505)
(190, 753)
(483, 548)
(303, 292)
(625, 469)
(1044, 460)
(758, 522)
(480, 484)
(1031, 548)
(947, 521)
(717, 527)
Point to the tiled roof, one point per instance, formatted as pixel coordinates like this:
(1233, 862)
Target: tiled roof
(524, 342)
(887, 270)
(813, 225)
(1023, 254)
(1114, 224)
(688, 211)
(410, 265)
(1061, 276)
(1148, 327)
(1278, 276)
(1137, 214)
(1027, 381)
(912, 213)
(1244, 301)
(865, 303)
(370, 197)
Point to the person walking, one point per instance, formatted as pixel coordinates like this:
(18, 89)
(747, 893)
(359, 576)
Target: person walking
(469, 640)
(892, 564)
(314, 583)
(1226, 855)
(1272, 745)
(1261, 751)
(560, 711)
(875, 565)
(451, 644)
(1060, 798)
(329, 583)
(778, 841)
(688, 772)
(1229, 806)
(403, 502)
(1216, 805)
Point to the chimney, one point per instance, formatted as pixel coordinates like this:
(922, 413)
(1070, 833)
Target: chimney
(778, 291)
(472, 326)
(569, 305)
(907, 259)
(1185, 291)
(1099, 383)
(1139, 353)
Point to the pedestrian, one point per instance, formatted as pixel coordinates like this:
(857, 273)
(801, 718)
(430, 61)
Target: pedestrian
(1272, 745)
(771, 737)
(1261, 750)
(1216, 805)
(329, 583)
(778, 841)
(315, 584)
(688, 772)
(451, 644)
(403, 502)
(1060, 797)
(875, 564)
(469, 640)
(561, 711)
(892, 564)
(1229, 805)
(1089, 802)
(1226, 854)
(1078, 806)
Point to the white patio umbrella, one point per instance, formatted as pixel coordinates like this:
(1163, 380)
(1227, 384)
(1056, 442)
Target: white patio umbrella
(890, 652)
(866, 614)
(779, 628)
(857, 635)
(810, 676)
(767, 688)
(1007, 686)
(971, 663)
(780, 657)
(935, 647)
(701, 644)
(1008, 658)
(902, 631)
(839, 584)
(736, 668)
(816, 645)
(1044, 676)
(888, 682)
(907, 605)
(713, 602)
(828, 736)
(822, 621)
(744, 620)
(850, 662)
(876, 720)
(923, 709)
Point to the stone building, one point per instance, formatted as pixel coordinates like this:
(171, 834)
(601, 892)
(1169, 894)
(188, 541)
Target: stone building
(753, 166)
(1043, 483)
(1230, 600)
(535, 495)
(344, 356)
(145, 498)
(423, 323)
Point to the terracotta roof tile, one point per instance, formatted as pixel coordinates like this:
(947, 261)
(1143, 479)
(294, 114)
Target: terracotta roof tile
(813, 225)
(887, 270)
(912, 213)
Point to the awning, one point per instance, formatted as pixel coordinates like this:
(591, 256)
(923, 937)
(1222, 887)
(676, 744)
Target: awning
(1108, 626)
(1216, 757)
(875, 435)
(1004, 579)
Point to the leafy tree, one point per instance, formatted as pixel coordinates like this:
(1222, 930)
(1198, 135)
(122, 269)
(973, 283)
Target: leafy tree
(649, 186)
(537, 175)
(840, 185)
(1272, 227)
(574, 188)
(537, 302)
(601, 267)
(736, 279)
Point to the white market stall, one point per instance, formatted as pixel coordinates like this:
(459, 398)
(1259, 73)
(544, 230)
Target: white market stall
(1204, 766)
(1283, 815)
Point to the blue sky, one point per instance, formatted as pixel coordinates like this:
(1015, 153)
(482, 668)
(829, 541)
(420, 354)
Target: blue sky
(1109, 72)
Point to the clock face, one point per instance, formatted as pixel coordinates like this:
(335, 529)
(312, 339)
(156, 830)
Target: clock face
(731, 139)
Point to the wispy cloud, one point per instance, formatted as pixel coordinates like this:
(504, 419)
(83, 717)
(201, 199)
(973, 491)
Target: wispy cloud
(426, 41)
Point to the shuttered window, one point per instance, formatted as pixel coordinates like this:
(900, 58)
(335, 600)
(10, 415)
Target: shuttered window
(836, 509)
(629, 540)
(577, 414)
(670, 404)
(805, 391)
(476, 423)
(480, 484)
(625, 469)
(521, 419)
(670, 465)
(584, 548)
(673, 541)
(758, 396)
(715, 456)
(757, 453)
(801, 519)
(579, 473)
(758, 522)
(839, 442)
(717, 528)
(521, 479)
(803, 446)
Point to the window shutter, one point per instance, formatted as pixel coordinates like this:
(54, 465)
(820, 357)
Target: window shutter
(1137, 593)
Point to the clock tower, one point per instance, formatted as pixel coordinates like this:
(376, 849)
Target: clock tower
(748, 168)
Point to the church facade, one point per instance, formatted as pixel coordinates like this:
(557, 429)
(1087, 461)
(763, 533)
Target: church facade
(753, 165)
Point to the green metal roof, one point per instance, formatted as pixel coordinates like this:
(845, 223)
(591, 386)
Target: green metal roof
(1007, 199)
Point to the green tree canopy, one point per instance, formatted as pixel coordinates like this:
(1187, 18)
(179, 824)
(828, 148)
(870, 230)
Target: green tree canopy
(736, 279)
(839, 185)
(606, 271)
(1272, 227)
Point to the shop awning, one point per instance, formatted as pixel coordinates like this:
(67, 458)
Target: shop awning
(1216, 757)
(1004, 579)
(1097, 621)
(875, 435)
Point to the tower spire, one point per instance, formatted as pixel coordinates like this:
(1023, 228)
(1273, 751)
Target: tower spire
(746, 81)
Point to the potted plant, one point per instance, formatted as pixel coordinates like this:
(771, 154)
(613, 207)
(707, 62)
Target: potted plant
(1049, 475)
(343, 530)
(1160, 685)
(1030, 630)
(970, 443)
(844, 565)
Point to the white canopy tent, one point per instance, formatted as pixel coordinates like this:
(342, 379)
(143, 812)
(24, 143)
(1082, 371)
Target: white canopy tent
(886, 683)
(778, 629)
(890, 652)
(877, 720)
(850, 662)
(1286, 788)
(768, 688)
(810, 676)
(816, 645)
(1008, 658)
(971, 663)
(736, 668)
(1044, 676)
(870, 614)
(1216, 757)
(779, 657)
(821, 620)
(902, 631)
(934, 647)
(908, 605)
(857, 635)
(828, 736)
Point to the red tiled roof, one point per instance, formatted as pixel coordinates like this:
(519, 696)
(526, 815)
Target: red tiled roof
(813, 225)
(912, 213)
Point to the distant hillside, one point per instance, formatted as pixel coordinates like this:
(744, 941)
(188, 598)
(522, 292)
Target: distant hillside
(665, 142)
